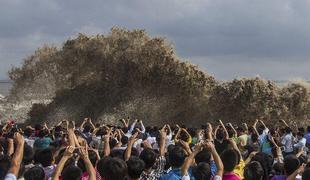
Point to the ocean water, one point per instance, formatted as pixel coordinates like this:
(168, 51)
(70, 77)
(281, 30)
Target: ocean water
(5, 87)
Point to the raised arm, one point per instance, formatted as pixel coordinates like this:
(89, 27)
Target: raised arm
(189, 160)
(18, 155)
(225, 130)
(232, 127)
(107, 149)
(209, 132)
(67, 154)
(91, 123)
(142, 127)
(284, 123)
(131, 141)
(246, 128)
(132, 126)
(83, 123)
(162, 143)
(89, 167)
(219, 164)
(235, 147)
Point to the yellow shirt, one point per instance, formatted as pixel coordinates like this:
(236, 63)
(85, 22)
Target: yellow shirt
(239, 169)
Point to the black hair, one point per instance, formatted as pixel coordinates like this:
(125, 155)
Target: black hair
(288, 130)
(28, 132)
(291, 164)
(220, 134)
(87, 128)
(299, 133)
(202, 171)
(124, 140)
(148, 156)
(112, 168)
(230, 159)
(265, 161)
(71, 173)
(35, 173)
(92, 155)
(42, 133)
(176, 156)
(28, 154)
(253, 171)
(203, 156)
(135, 167)
(308, 128)
(45, 157)
(5, 162)
(306, 174)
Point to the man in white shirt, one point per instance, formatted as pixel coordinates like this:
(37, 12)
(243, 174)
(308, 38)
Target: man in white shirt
(287, 141)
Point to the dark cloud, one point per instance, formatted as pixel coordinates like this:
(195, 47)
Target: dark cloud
(227, 38)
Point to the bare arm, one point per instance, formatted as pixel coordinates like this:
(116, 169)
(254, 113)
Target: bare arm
(131, 141)
(216, 157)
(162, 145)
(225, 130)
(89, 167)
(18, 155)
(10, 150)
(67, 154)
(83, 123)
(209, 132)
(284, 123)
(107, 149)
(189, 160)
(234, 130)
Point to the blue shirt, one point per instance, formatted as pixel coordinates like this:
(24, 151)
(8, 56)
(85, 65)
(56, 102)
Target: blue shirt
(307, 136)
(176, 174)
(42, 143)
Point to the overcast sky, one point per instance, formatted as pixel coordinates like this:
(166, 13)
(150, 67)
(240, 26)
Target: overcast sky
(226, 38)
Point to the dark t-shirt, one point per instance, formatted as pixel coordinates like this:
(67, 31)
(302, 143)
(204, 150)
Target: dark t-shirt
(220, 147)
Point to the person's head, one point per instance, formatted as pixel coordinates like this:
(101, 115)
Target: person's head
(260, 129)
(176, 156)
(300, 135)
(306, 174)
(220, 134)
(135, 167)
(301, 129)
(148, 156)
(92, 155)
(71, 173)
(308, 128)
(203, 156)
(240, 130)
(35, 173)
(202, 171)
(265, 161)
(42, 133)
(112, 168)
(288, 130)
(253, 171)
(291, 164)
(28, 154)
(87, 128)
(124, 140)
(5, 162)
(45, 157)
(28, 132)
(254, 138)
(230, 159)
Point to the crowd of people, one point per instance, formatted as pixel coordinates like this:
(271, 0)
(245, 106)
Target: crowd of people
(133, 151)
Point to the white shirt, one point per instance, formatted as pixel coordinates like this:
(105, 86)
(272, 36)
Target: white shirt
(287, 142)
